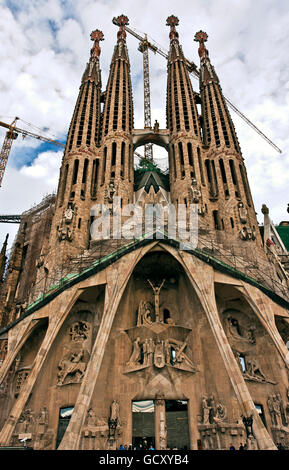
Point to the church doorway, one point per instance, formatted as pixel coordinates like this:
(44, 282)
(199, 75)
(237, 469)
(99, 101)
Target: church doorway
(177, 424)
(169, 422)
(143, 424)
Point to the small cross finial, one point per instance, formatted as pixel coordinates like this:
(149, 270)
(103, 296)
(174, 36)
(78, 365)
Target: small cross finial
(121, 21)
(202, 37)
(96, 36)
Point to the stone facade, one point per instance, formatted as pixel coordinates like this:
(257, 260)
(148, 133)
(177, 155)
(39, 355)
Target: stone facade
(140, 342)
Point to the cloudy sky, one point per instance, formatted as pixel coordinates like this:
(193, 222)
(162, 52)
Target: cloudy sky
(45, 45)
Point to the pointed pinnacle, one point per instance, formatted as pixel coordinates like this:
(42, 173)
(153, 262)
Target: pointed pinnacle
(121, 21)
(96, 36)
(173, 21)
(202, 37)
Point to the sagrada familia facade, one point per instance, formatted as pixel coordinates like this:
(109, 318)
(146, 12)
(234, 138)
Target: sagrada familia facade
(141, 341)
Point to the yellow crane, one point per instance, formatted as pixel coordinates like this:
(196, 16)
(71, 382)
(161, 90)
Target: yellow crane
(11, 135)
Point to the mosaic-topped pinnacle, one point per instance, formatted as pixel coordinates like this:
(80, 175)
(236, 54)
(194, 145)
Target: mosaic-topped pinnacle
(121, 21)
(202, 37)
(96, 36)
(173, 21)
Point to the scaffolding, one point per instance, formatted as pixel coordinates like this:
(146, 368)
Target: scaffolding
(239, 260)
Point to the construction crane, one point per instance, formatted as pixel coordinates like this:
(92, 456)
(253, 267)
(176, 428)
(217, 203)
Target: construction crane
(144, 48)
(193, 70)
(12, 135)
(10, 219)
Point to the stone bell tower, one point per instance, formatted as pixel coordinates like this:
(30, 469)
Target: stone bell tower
(185, 147)
(116, 165)
(229, 202)
(78, 173)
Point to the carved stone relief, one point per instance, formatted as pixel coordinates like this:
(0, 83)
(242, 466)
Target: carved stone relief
(238, 330)
(159, 353)
(277, 411)
(34, 429)
(71, 368)
(79, 331)
(254, 371)
(212, 413)
(25, 428)
(247, 233)
(153, 341)
(215, 430)
(68, 222)
(21, 377)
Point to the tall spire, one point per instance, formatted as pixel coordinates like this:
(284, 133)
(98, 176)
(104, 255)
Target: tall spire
(84, 129)
(92, 71)
(117, 124)
(218, 127)
(182, 121)
(182, 112)
(3, 259)
(229, 201)
(78, 174)
(173, 21)
(120, 49)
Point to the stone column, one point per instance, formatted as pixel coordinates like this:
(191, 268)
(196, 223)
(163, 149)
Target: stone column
(160, 424)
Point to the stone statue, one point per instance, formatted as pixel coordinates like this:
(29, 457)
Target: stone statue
(255, 371)
(240, 332)
(212, 408)
(114, 411)
(180, 356)
(156, 127)
(150, 351)
(196, 193)
(91, 417)
(159, 355)
(282, 410)
(136, 353)
(110, 192)
(42, 417)
(69, 213)
(205, 410)
(144, 313)
(26, 422)
(271, 409)
(157, 290)
(221, 413)
(243, 213)
(277, 411)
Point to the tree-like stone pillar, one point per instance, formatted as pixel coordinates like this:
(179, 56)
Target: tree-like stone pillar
(160, 424)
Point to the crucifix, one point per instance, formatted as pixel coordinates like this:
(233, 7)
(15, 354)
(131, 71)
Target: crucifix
(157, 290)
